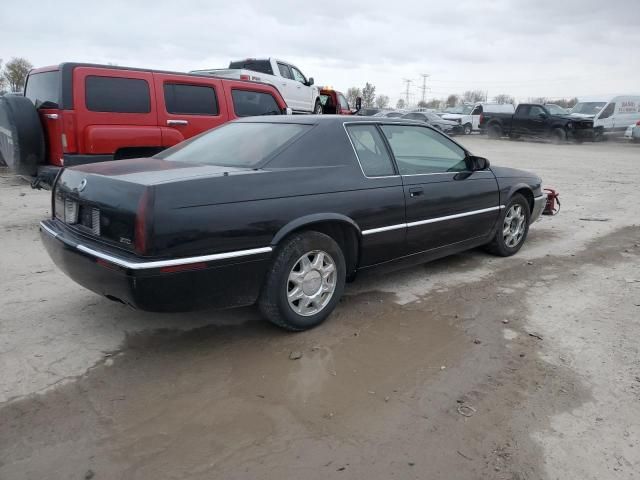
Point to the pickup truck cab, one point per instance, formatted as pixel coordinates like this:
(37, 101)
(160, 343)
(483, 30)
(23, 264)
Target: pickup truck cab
(298, 91)
(74, 113)
(335, 103)
(535, 120)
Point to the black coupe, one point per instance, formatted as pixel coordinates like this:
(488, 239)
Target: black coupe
(281, 211)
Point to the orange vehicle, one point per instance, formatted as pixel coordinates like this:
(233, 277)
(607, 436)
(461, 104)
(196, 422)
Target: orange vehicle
(334, 102)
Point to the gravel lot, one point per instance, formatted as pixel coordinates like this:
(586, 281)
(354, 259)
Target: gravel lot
(470, 367)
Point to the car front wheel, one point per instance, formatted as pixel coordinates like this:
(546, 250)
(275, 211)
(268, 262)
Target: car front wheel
(305, 282)
(513, 227)
(318, 108)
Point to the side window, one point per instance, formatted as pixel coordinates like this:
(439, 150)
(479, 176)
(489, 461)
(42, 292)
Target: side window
(523, 111)
(115, 94)
(420, 150)
(343, 102)
(247, 103)
(477, 110)
(190, 99)
(297, 76)
(607, 111)
(370, 150)
(536, 111)
(284, 71)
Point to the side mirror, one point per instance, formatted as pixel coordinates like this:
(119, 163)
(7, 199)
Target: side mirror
(310, 81)
(358, 104)
(477, 163)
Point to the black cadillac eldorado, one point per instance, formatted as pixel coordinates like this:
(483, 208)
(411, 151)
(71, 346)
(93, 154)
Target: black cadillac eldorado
(281, 211)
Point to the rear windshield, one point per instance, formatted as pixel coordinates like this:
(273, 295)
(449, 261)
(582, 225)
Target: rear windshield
(43, 89)
(241, 145)
(262, 66)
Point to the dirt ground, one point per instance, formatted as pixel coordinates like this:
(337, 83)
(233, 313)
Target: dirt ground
(472, 367)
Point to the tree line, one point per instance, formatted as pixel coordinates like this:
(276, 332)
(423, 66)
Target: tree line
(14, 74)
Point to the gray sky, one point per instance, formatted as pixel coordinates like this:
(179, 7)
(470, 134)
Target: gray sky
(554, 48)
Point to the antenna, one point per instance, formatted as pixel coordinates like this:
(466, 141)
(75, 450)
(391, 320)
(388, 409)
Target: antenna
(424, 87)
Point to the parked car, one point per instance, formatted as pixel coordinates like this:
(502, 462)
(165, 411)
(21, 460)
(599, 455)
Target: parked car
(369, 111)
(447, 126)
(614, 118)
(488, 108)
(535, 120)
(460, 114)
(281, 211)
(298, 91)
(77, 113)
(633, 132)
(334, 102)
(394, 114)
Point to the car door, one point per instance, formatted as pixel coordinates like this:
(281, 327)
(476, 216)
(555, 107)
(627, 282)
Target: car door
(287, 85)
(536, 121)
(520, 120)
(188, 106)
(303, 92)
(446, 203)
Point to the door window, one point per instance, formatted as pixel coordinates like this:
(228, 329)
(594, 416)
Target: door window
(370, 150)
(297, 76)
(419, 150)
(344, 105)
(116, 94)
(607, 111)
(184, 99)
(284, 71)
(535, 111)
(477, 110)
(248, 103)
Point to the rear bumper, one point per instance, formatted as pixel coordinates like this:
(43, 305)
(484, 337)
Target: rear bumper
(219, 280)
(538, 207)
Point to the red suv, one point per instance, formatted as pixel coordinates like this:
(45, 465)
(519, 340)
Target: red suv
(75, 113)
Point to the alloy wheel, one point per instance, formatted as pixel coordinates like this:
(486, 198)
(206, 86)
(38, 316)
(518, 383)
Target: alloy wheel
(311, 283)
(514, 226)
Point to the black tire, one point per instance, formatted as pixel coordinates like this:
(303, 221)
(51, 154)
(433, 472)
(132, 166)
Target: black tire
(273, 301)
(317, 109)
(467, 129)
(558, 136)
(494, 131)
(22, 146)
(498, 245)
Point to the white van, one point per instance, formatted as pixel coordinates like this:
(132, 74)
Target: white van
(617, 115)
(481, 108)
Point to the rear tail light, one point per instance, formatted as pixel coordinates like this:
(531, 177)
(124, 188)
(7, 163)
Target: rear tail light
(143, 222)
(638, 123)
(68, 136)
(481, 118)
(245, 77)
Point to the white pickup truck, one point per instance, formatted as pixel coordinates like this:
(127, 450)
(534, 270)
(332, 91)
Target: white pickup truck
(298, 91)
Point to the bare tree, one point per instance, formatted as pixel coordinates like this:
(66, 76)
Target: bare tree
(382, 101)
(400, 104)
(565, 102)
(352, 94)
(453, 100)
(541, 100)
(2, 80)
(368, 95)
(422, 104)
(473, 96)
(434, 103)
(15, 73)
(504, 98)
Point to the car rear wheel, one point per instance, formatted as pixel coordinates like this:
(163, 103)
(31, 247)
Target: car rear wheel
(467, 129)
(494, 131)
(305, 282)
(318, 108)
(513, 227)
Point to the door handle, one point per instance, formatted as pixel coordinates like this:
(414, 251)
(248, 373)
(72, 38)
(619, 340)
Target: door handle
(177, 122)
(416, 192)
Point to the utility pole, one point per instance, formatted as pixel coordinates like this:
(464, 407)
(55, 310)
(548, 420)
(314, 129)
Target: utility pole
(424, 85)
(408, 82)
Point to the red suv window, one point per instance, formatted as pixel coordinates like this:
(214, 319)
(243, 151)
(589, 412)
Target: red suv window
(116, 94)
(185, 99)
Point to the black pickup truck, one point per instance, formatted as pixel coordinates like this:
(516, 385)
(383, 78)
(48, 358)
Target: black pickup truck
(535, 120)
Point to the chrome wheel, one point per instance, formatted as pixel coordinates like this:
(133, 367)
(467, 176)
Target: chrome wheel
(311, 283)
(318, 109)
(514, 226)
